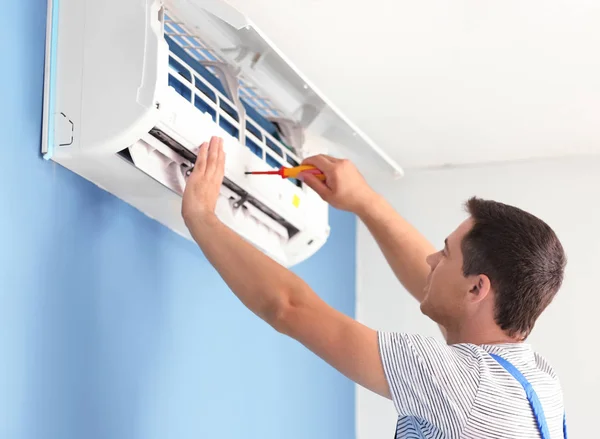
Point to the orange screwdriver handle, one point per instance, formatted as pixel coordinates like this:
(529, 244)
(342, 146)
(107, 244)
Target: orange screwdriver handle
(306, 169)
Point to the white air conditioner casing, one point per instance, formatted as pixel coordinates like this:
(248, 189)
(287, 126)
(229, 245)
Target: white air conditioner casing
(127, 102)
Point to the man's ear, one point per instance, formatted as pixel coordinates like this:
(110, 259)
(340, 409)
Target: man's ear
(480, 288)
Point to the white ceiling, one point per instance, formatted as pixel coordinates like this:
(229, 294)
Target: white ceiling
(451, 82)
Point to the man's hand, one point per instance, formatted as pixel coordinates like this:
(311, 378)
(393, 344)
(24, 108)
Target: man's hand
(202, 189)
(344, 187)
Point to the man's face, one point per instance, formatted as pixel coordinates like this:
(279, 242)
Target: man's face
(446, 291)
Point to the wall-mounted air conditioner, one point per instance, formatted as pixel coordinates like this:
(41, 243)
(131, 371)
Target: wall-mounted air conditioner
(133, 87)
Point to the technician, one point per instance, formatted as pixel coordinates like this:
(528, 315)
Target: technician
(486, 287)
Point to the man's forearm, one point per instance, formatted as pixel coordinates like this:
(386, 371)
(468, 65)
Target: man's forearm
(262, 285)
(404, 248)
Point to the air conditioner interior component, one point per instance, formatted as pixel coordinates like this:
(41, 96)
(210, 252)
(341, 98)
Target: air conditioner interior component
(132, 88)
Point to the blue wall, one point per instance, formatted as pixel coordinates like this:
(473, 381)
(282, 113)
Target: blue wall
(113, 327)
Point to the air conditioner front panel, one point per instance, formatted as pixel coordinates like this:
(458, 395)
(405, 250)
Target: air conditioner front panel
(132, 91)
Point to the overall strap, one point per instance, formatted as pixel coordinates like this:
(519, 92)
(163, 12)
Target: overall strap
(534, 402)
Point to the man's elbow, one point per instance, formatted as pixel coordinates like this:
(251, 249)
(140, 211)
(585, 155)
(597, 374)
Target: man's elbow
(284, 316)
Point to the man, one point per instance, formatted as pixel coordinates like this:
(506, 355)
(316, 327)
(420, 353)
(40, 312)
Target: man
(495, 275)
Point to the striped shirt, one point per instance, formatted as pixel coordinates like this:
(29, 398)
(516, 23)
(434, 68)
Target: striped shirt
(460, 391)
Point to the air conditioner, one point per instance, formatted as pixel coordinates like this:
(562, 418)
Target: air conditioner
(133, 87)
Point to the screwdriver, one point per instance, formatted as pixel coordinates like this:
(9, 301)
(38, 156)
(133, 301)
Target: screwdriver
(291, 172)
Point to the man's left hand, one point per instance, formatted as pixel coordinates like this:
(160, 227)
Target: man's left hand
(202, 188)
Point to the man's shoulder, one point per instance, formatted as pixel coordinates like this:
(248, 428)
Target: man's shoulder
(475, 357)
(544, 365)
(521, 355)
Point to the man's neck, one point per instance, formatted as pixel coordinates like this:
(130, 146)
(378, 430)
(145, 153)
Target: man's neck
(478, 335)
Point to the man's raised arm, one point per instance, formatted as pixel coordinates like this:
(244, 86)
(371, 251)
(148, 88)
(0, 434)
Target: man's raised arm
(404, 248)
(271, 291)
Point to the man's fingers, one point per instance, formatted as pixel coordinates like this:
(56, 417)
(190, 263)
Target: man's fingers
(221, 161)
(213, 155)
(331, 159)
(200, 165)
(317, 185)
(321, 162)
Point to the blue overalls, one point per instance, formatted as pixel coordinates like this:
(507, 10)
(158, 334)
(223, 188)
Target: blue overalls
(532, 397)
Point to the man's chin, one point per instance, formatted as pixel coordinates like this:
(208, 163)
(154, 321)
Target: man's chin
(424, 306)
(428, 310)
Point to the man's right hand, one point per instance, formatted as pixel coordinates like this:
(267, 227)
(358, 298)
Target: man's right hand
(344, 187)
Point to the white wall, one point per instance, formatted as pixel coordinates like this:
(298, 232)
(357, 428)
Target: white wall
(564, 194)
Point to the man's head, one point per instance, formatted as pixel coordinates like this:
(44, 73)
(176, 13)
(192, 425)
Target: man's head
(501, 264)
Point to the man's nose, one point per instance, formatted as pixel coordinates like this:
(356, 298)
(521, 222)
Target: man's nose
(432, 260)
